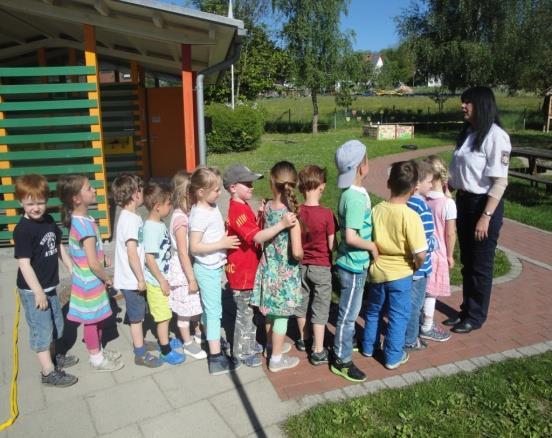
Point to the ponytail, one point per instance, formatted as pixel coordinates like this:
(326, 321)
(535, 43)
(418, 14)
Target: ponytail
(68, 186)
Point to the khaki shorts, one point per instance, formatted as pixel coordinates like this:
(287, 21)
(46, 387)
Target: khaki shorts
(158, 303)
(316, 289)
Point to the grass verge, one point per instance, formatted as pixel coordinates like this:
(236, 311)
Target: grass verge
(512, 398)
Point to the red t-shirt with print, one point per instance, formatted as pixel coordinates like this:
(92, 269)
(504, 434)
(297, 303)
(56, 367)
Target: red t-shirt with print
(242, 262)
(318, 223)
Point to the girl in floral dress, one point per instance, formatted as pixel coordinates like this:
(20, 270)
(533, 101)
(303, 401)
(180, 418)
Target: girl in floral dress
(277, 290)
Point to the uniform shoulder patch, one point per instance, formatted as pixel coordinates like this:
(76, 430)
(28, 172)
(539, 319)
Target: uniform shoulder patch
(505, 158)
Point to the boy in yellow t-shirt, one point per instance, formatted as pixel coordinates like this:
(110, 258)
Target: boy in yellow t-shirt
(399, 236)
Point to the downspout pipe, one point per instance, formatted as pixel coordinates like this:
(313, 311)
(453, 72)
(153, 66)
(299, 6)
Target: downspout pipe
(200, 107)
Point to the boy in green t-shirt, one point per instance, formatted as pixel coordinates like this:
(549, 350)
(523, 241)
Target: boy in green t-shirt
(353, 257)
(399, 234)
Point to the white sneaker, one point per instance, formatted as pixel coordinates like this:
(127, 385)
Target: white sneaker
(194, 350)
(108, 365)
(111, 354)
(285, 363)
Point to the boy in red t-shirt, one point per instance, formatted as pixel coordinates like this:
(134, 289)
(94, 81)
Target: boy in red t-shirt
(242, 262)
(318, 237)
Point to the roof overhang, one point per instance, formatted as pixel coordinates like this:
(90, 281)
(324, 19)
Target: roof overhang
(147, 31)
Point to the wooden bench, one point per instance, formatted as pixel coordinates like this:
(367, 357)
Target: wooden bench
(533, 178)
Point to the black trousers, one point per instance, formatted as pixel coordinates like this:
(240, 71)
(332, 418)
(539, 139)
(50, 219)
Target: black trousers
(477, 257)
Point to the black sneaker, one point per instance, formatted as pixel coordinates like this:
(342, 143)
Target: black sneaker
(348, 371)
(58, 378)
(65, 361)
(303, 345)
(319, 358)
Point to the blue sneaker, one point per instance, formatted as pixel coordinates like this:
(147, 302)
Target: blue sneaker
(173, 358)
(175, 343)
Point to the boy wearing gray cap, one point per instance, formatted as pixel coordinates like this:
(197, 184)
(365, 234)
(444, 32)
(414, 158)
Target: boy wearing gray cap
(242, 262)
(353, 252)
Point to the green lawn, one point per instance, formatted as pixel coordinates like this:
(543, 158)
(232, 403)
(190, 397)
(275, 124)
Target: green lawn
(417, 107)
(510, 399)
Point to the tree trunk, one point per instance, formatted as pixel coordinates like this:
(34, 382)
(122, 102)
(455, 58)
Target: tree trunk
(314, 112)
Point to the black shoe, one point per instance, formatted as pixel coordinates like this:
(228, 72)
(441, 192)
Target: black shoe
(463, 327)
(65, 361)
(348, 371)
(303, 345)
(58, 378)
(319, 358)
(452, 321)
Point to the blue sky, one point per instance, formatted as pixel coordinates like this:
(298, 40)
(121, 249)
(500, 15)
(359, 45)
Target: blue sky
(372, 21)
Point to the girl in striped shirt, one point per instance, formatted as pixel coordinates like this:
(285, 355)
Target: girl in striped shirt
(89, 303)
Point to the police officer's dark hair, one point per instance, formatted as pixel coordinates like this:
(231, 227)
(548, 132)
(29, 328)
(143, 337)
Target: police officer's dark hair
(485, 114)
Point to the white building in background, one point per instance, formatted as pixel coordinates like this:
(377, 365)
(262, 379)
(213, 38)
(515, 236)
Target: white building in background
(434, 81)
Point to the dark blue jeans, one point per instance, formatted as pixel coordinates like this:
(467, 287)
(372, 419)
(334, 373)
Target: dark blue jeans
(477, 257)
(418, 295)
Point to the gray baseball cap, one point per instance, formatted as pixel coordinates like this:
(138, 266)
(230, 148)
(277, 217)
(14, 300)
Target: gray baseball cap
(347, 159)
(239, 173)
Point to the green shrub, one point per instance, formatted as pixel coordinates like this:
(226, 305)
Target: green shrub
(234, 131)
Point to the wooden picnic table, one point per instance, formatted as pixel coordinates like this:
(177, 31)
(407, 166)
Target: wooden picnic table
(532, 172)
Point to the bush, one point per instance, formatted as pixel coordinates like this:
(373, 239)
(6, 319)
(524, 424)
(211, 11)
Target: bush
(234, 131)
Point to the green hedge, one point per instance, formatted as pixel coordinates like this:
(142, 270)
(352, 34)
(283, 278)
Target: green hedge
(234, 131)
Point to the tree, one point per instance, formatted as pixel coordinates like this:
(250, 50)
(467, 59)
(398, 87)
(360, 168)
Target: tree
(262, 63)
(474, 42)
(316, 45)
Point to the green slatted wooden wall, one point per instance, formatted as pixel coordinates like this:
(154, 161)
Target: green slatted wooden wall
(121, 118)
(51, 126)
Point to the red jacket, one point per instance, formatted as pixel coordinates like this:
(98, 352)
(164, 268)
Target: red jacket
(242, 262)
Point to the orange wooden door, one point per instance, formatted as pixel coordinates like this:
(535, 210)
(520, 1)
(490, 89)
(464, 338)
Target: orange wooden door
(166, 131)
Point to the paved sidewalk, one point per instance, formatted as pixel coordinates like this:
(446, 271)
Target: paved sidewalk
(184, 400)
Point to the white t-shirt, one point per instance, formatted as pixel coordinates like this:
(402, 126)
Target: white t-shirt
(449, 210)
(129, 227)
(471, 170)
(210, 223)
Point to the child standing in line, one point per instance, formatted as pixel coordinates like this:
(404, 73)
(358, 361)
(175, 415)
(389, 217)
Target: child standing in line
(157, 247)
(129, 277)
(442, 259)
(208, 245)
(184, 296)
(37, 248)
(420, 278)
(318, 237)
(353, 252)
(399, 234)
(277, 289)
(89, 303)
(243, 261)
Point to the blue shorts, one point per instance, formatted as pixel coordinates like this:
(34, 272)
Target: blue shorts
(45, 325)
(135, 305)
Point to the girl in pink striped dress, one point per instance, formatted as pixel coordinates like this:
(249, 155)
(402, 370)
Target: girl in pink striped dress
(88, 303)
(442, 260)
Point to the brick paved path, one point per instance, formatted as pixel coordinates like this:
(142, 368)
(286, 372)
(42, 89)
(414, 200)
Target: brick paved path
(519, 315)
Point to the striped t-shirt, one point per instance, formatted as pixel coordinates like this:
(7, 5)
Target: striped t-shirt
(88, 303)
(354, 212)
(418, 204)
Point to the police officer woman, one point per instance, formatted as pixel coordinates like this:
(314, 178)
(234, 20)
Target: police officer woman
(479, 173)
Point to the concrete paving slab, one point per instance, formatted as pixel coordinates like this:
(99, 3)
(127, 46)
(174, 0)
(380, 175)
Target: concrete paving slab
(126, 403)
(61, 420)
(254, 406)
(273, 431)
(200, 420)
(193, 380)
(30, 395)
(89, 382)
(132, 431)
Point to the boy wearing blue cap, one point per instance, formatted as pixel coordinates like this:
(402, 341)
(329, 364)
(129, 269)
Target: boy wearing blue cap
(353, 252)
